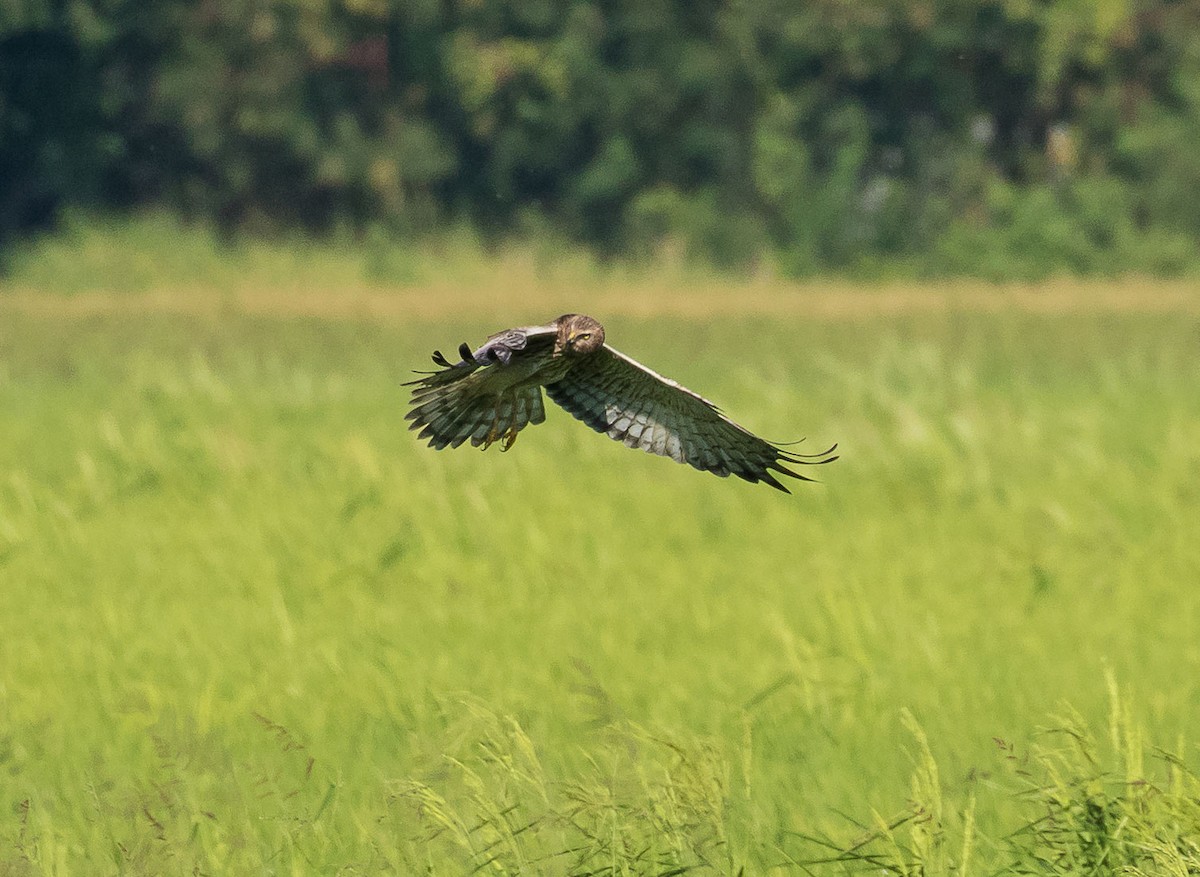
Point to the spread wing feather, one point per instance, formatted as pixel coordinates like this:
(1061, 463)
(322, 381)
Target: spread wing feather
(632, 404)
(489, 395)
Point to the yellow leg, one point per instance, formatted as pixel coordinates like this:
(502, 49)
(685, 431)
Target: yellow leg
(494, 433)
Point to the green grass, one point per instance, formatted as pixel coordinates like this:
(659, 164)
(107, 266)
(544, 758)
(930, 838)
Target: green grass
(249, 625)
(154, 252)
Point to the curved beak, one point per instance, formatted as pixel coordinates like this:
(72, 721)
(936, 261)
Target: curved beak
(560, 345)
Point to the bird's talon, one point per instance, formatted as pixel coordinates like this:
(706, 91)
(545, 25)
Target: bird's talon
(492, 437)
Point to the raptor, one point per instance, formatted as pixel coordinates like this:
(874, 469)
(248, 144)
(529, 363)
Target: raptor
(494, 392)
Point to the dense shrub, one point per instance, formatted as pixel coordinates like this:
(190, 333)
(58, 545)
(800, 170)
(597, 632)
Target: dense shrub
(992, 137)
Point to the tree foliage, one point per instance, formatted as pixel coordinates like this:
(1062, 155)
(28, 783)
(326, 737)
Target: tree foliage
(996, 137)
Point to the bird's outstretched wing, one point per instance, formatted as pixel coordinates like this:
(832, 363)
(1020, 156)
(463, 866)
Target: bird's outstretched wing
(622, 398)
(489, 395)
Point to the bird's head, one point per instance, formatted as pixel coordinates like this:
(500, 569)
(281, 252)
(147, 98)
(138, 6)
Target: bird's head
(578, 335)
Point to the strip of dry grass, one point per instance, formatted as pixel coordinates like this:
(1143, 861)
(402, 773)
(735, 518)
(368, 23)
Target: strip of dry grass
(516, 292)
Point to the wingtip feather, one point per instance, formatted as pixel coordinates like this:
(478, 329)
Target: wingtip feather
(768, 478)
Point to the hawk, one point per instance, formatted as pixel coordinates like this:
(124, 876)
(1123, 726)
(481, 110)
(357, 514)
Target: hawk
(492, 393)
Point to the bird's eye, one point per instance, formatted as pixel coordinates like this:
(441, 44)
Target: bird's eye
(583, 336)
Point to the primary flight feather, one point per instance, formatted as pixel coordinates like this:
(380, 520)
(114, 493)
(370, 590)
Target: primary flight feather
(492, 393)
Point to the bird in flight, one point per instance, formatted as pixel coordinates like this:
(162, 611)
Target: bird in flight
(492, 393)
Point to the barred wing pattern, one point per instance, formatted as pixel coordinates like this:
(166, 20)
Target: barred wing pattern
(490, 395)
(632, 404)
(452, 418)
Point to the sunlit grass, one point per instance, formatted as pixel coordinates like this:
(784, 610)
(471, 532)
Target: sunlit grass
(248, 623)
(151, 252)
(156, 263)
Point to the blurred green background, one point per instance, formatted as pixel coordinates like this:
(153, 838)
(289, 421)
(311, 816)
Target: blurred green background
(999, 138)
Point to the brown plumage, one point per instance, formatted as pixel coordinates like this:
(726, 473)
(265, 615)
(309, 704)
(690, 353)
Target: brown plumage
(492, 393)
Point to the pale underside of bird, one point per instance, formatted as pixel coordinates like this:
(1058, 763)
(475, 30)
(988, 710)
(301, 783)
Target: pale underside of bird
(492, 393)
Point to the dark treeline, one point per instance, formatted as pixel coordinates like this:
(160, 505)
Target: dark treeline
(1008, 138)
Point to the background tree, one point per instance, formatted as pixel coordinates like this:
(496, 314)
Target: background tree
(947, 136)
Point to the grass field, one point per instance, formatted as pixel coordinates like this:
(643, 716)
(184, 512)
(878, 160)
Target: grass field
(249, 625)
